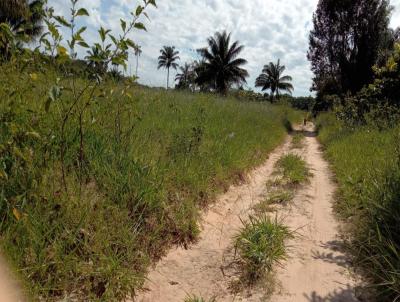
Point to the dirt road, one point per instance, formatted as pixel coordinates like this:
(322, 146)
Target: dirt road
(316, 270)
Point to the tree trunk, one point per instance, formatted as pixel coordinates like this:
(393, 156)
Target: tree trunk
(167, 78)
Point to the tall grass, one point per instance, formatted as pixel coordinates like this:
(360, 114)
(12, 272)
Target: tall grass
(152, 160)
(367, 167)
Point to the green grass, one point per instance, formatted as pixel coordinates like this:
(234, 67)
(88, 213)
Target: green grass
(366, 163)
(152, 162)
(260, 245)
(298, 140)
(293, 169)
(279, 196)
(199, 299)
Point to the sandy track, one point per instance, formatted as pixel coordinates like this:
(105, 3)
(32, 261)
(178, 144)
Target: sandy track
(198, 269)
(9, 289)
(316, 270)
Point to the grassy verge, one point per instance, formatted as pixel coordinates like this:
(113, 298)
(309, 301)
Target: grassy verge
(152, 159)
(367, 168)
(199, 299)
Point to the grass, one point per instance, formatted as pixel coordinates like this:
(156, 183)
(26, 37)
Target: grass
(367, 168)
(298, 140)
(199, 299)
(260, 245)
(293, 169)
(153, 160)
(279, 196)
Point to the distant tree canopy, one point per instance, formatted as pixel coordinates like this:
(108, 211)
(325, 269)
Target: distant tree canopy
(221, 67)
(168, 58)
(348, 38)
(272, 79)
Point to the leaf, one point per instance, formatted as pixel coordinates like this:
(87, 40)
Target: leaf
(62, 51)
(33, 76)
(62, 21)
(139, 10)
(152, 2)
(3, 175)
(83, 44)
(123, 25)
(47, 105)
(17, 214)
(82, 12)
(140, 26)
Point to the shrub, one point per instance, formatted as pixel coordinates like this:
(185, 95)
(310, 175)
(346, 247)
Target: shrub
(261, 245)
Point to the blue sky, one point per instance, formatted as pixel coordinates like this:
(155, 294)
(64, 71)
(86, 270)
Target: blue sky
(269, 29)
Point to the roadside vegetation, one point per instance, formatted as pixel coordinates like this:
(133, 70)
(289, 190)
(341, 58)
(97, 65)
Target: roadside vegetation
(99, 176)
(366, 164)
(361, 133)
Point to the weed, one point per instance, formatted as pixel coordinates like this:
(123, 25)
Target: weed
(277, 197)
(298, 141)
(293, 169)
(260, 245)
(195, 298)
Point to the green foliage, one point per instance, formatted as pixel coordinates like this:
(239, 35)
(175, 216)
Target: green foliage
(298, 140)
(272, 78)
(261, 245)
(293, 168)
(152, 159)
(378, 103)
(199, 299)
(366, 164)
(221, 67)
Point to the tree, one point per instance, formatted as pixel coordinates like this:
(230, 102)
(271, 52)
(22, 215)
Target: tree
(186, 77)
(271, 78)
(345, 43)
(138, 52)
(222, 67)
(24, 17)
(168, 59)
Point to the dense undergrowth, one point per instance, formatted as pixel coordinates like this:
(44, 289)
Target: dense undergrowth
(138, 166)
(366, 162)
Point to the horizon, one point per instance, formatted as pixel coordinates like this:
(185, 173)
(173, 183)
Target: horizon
(258, 27)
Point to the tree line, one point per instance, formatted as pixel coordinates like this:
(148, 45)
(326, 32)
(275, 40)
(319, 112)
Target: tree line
(354, 56)
(220, 68)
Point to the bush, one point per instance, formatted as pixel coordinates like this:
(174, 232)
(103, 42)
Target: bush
(261, 245)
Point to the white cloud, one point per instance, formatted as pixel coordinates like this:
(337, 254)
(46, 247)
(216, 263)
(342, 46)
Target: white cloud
(269, 29)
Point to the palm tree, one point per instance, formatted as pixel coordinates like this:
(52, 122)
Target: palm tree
(271, 78)
(168, 59)
(185, 77)
(222, 67)
(138, 52)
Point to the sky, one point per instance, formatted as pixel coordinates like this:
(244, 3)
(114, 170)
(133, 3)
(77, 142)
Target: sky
(269, 30)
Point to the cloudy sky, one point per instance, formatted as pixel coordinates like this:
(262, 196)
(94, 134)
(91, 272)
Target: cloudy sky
(269, 29)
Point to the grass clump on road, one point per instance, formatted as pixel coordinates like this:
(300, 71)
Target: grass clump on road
(293, 169)
(298, 140)
(260, 245)
(199, 299)
(279, 196)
